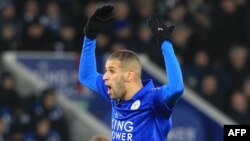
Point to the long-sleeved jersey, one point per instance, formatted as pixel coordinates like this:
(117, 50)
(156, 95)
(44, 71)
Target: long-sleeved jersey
(147, 115)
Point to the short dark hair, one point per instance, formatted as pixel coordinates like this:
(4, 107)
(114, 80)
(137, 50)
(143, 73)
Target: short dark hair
(127, 58)
(124, 56)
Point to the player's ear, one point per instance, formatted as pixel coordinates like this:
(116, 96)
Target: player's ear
(129, 75)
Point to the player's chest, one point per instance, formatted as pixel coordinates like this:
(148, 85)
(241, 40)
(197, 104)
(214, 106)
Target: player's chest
(133, 115)
(126, 124)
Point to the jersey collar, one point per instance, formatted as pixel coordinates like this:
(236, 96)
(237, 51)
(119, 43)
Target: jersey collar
(147, 85)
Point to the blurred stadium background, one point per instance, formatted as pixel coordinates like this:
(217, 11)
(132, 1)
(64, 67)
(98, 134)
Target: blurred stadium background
(40, 45)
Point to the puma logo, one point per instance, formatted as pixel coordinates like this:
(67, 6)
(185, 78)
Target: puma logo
(159, 29)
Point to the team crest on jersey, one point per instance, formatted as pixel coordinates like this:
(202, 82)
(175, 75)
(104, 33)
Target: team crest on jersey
(136, 105)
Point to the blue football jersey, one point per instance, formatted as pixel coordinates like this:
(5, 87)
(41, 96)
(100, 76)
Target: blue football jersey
(147, 115)
(142, 118)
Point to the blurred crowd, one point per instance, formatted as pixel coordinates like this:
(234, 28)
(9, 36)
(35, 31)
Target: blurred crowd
(211, 40)
(34, 118)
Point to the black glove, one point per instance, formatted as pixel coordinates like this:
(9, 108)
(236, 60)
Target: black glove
(98, 21)
(159, 30)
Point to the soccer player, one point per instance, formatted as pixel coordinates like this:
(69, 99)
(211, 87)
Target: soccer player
(140, 111)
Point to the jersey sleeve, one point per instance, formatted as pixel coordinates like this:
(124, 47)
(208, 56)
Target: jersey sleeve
(87, 68)
(88, 75)
(169, 93)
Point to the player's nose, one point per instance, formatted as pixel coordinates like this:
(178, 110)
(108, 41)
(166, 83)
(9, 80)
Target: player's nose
(105, 77)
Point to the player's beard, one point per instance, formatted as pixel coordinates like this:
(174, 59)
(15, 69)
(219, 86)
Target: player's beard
(118, 90)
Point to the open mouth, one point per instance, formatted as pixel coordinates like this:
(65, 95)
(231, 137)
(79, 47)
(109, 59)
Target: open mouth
(109, 89)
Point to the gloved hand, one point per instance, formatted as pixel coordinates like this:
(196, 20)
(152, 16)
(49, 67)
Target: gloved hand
(159, 30)
(98, 21)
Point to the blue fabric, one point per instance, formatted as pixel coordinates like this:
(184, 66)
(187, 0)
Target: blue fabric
(147, 115)
(87, 68)
(174, 88)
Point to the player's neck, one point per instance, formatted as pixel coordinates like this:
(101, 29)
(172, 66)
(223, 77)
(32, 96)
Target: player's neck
(132, 89)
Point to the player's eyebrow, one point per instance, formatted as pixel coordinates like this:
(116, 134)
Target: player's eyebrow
(110, 67)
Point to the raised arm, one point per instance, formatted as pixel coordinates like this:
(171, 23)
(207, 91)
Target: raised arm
(174, 88)
(170, 92)
(87, 69)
